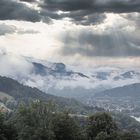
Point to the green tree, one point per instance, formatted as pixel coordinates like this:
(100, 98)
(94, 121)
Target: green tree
(105, 136)
(33, 122)
(7, 131)
(101, 124)
(65, 127)
(101, 136)
(130, 136)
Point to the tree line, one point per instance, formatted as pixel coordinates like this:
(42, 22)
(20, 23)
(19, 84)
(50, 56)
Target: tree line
(42, 121)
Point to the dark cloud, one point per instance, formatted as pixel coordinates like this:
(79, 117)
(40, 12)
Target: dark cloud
(117, 6)
(67, 5)
(12, 10)
(85, 12)
(115, 44)
(78, 17)
(91, 19)
(28, 0)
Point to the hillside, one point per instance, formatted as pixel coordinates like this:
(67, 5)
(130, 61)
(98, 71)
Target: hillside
(132, 91)
(20, 93)
(12, 93)
(125, 99)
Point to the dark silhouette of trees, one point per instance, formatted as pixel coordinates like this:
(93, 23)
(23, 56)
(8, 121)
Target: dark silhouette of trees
(42, 121)
(101, 126)
(66, 128)
(33, 122)
(7, 131)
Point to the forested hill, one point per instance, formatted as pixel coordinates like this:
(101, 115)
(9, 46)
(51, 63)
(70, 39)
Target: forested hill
(132, 91)
(20, 92)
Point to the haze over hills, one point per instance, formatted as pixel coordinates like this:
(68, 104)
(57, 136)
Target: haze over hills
(13, 93)
(125, 99)
(132, 91)
(60, 78)
(66, 81)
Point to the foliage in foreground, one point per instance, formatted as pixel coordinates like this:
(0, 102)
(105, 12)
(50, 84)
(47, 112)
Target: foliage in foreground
(41, 121)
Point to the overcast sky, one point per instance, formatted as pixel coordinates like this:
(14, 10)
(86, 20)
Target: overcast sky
(88, 32)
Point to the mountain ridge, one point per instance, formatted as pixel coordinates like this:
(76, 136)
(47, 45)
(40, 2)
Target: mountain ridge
(128, 90)
(24, 93)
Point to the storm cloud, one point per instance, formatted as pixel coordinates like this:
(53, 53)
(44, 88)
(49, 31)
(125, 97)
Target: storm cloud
(12, 10)
(111, 27)
(85, 12)
(117, 6)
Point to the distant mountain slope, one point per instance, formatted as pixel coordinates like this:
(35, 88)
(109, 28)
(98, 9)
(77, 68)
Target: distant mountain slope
(125, 99)
(24, 93)
(56, 77)
(132, 91)
(56, 70)
(18, 91)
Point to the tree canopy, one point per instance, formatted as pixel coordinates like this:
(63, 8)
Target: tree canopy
(42, 121)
